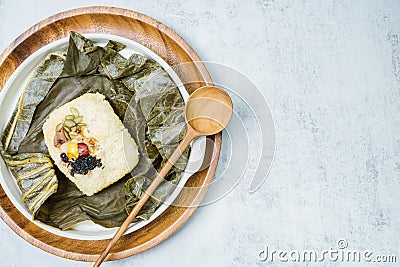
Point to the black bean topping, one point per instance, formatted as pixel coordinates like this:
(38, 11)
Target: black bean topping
(84, 164)
(64, 157)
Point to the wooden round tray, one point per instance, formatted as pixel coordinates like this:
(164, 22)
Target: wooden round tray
(174, 50)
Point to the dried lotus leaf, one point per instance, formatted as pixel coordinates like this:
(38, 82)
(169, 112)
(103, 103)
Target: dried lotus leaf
(143, 96)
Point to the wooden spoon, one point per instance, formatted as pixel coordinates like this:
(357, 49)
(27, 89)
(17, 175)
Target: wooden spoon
(208, 111)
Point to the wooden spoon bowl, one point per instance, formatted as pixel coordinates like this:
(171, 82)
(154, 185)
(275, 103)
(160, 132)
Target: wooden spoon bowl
(208, 110)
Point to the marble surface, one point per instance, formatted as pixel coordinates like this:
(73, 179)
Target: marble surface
(330, 71)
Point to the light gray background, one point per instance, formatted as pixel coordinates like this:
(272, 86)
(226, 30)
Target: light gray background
(331, 73)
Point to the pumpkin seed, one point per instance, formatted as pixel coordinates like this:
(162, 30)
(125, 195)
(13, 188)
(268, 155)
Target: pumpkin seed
(66, 129)
(82, 124)
(78, 119)
(69, 117)
(69, 123)
(59, 127)
(73, 129)
(74, 135)
(74, 112)
(67, 135)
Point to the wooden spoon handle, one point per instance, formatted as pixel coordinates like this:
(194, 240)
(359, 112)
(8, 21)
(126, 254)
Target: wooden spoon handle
(190, 135)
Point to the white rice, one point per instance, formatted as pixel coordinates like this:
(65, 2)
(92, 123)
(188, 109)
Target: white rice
(115, 147)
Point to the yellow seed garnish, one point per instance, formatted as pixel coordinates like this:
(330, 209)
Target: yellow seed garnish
(59, 127)
(74, 112)
(78, 119)
(72, 150)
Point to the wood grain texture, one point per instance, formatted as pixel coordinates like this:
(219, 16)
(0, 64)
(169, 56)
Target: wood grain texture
(174, 50)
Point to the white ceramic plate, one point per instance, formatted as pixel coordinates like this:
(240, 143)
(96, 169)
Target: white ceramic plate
(9, 97)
